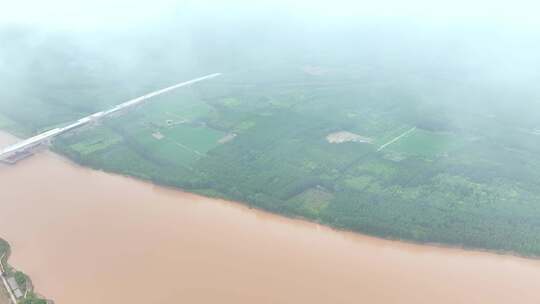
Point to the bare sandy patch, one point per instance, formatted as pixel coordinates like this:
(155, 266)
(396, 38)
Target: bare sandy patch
(227, 138)
(345, 136)
(158, 135)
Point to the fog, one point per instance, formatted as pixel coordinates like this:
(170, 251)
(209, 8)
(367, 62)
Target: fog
(102, 13)
(465, 74)
(126, 48)
(493, 36)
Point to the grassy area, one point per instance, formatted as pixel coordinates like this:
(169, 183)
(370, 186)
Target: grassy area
(96, 139)
(175, 110)
(199, 139)
(181, 144)
(427, 144)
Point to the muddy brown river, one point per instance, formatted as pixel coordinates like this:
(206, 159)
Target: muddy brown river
(88, 237)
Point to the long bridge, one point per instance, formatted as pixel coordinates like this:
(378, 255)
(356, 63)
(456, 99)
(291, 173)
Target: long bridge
(25, 148)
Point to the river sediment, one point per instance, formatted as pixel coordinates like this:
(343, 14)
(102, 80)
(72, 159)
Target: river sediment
(86, 236)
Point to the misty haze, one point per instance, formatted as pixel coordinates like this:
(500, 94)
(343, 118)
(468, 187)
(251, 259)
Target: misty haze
(269, 152)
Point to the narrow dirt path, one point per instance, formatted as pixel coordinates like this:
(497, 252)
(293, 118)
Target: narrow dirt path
(396, 139)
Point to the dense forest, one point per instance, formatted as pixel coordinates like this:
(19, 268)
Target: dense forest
(373, 130)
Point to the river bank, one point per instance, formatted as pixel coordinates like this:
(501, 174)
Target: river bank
(4, 293)
(16, 286)
(220, 197)
(92, 237)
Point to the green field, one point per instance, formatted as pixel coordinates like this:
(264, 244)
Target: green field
(427, 144)
(96, 139)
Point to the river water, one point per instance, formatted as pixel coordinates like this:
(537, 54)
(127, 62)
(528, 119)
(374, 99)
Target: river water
(89, 237)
